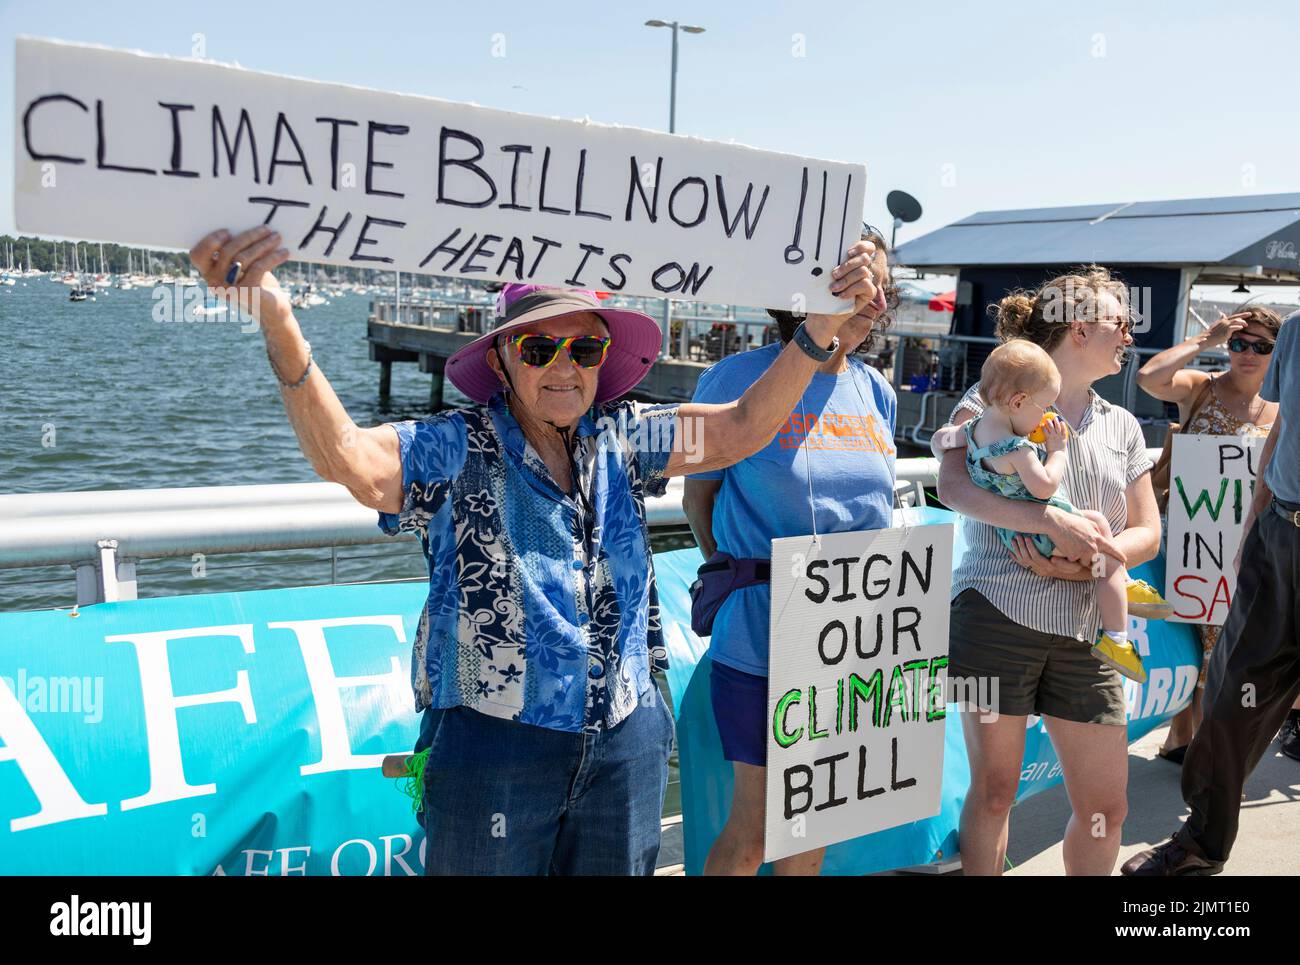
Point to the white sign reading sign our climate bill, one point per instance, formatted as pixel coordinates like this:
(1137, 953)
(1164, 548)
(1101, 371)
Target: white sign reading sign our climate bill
(1211, 485)
(857, 684)
(119, 146)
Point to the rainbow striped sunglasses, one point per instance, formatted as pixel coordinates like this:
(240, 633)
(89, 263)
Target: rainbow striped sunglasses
(538, 351)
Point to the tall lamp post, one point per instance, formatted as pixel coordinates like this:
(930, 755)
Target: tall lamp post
(672, 129)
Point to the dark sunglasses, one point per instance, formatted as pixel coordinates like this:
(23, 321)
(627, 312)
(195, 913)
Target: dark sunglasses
(539, 351)
(1261, 347)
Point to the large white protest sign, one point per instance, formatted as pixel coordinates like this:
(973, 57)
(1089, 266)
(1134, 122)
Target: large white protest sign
(857, 684)
(1211, 485)
(143, 150)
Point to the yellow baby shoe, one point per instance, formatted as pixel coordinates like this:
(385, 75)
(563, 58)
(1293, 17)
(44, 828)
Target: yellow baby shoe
(1144, 601)
(1122, 656)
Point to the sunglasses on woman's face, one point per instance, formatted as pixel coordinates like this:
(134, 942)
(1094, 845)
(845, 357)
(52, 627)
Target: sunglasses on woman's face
(538, 351)
(1261, 347)
(1123, 324)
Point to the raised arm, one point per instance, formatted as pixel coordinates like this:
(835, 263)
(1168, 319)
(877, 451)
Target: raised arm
(366, 461)
(732, 431)
(1166, 375)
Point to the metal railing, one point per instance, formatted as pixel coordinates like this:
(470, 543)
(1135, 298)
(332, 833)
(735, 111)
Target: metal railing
(102, 535)
(706, 334)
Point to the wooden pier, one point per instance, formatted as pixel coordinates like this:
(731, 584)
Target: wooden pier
(429, 334)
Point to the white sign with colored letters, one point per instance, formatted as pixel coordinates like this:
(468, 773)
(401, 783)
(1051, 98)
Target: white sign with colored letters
(1211, 485)
(857, 684)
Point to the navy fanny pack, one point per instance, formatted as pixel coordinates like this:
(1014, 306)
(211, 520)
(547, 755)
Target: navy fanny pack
(714, 582)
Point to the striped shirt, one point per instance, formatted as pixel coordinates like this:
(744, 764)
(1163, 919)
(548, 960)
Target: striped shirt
(1107, 452)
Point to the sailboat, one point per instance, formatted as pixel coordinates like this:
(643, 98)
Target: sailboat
(32, 271)
(124, 281)
(102, 280)
(7, 276)
(81, 291)
(69, 276)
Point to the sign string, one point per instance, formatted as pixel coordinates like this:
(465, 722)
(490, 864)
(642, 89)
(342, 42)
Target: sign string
(907, 521)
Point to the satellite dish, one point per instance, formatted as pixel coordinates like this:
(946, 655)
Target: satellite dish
(904, 208)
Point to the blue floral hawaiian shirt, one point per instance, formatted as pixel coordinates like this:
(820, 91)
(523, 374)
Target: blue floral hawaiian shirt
(538, 610)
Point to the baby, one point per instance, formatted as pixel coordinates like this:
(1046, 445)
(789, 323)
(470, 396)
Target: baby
(1018, 449)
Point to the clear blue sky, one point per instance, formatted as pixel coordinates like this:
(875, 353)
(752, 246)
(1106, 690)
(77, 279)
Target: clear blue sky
(967, 106)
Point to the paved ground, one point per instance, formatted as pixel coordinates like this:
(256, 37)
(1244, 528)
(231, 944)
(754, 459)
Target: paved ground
(1268, 843)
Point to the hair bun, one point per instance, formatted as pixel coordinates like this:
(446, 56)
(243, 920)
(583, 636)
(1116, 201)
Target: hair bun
(1013, 314)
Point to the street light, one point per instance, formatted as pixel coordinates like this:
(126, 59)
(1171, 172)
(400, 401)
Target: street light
(672, 90)
(672, 129)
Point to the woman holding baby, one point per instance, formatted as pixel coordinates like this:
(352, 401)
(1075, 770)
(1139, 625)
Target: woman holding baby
(1039, 599)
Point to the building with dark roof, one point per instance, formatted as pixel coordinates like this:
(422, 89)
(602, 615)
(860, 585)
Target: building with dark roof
(1159, 248)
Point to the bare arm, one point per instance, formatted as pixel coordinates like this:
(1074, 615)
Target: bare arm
(945, 438)
(1041, 479)
(1140, 538)
(366, 461)
(1166, 375)
(1074, 535)
(697, 501)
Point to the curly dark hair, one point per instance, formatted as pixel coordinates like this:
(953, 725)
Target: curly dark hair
(787, 322)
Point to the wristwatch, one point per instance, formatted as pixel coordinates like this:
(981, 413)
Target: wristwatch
(811, 348)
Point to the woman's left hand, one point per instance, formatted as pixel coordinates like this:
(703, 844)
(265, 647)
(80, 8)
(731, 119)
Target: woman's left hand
(1026, 554)
(851, 280)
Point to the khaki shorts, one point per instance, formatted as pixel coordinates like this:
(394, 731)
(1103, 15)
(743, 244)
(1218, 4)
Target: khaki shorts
(1035, 673)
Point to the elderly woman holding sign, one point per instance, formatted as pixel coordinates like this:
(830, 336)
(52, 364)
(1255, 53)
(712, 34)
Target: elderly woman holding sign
(547, 740)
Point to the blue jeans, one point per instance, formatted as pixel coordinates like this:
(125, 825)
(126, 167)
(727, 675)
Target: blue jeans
(504, 798)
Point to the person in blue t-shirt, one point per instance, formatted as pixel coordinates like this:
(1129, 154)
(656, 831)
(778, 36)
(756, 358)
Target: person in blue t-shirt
(833, 459)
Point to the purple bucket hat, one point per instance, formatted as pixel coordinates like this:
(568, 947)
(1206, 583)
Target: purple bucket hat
(634, 340)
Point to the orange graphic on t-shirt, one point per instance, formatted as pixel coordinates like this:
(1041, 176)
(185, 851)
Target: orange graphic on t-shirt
(835, 431)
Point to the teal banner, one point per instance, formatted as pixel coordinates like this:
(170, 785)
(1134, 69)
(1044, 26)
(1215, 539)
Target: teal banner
(242, 734)
(229, 734)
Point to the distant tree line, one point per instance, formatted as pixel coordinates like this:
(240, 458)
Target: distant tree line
(48, 255)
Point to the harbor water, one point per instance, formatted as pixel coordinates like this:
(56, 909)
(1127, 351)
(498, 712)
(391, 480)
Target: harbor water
(99, 395)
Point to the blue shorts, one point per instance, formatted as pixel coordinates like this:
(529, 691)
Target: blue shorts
(740, 710)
